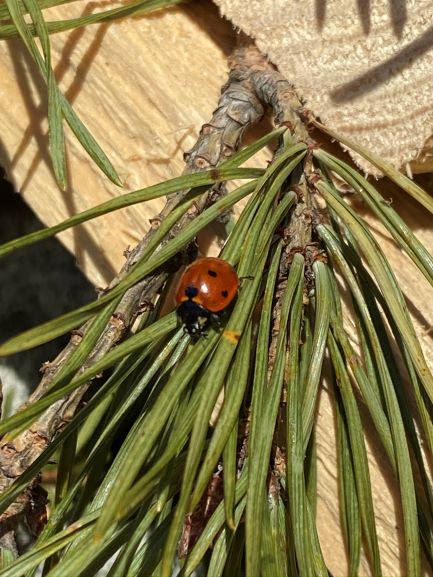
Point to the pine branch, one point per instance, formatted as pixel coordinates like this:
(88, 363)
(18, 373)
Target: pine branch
(239, 108)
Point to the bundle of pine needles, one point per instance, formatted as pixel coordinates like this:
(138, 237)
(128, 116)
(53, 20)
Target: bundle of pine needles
(148, 477)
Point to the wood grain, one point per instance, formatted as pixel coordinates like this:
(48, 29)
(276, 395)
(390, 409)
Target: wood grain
(364, 68)
(143, 86)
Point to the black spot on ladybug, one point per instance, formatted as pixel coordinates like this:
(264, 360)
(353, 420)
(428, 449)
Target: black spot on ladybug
(225, 294)
(191, 292)
(212, 273)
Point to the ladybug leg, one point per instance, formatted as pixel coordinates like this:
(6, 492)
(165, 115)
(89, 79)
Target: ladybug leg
(246, 277)
(217, 320)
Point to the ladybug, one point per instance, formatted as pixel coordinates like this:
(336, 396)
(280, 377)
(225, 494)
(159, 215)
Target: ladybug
(206, 288)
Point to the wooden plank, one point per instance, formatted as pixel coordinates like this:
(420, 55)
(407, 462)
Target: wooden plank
(143, 86)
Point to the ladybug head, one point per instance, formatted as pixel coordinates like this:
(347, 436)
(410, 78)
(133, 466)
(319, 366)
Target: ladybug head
(194, 317)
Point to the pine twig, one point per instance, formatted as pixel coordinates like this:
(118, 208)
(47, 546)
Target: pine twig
(238, 108)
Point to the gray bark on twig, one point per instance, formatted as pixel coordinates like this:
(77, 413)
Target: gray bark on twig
(252, 84)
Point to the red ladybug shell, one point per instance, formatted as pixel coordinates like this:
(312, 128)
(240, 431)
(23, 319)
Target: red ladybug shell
(210, 282)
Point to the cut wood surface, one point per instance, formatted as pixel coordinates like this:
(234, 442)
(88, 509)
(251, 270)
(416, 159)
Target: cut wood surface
(144, 86)
(364, 68)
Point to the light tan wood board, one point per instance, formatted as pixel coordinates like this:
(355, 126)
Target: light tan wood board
(144, 86)
(363, 67)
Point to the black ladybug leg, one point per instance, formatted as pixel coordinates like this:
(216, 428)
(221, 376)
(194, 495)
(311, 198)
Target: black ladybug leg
(217, 320)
